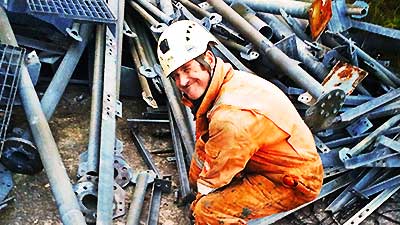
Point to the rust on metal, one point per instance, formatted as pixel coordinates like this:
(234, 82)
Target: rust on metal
(344, 76)
(319, 15)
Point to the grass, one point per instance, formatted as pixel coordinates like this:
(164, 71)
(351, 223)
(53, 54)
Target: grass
(384, 12)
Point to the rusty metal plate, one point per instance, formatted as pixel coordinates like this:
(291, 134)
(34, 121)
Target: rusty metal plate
(319, 15)
(345, 77)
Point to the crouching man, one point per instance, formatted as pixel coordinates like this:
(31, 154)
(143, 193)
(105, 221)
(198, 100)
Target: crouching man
(254, 155)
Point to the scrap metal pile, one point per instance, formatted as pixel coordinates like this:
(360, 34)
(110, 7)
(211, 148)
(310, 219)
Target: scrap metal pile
(333, 66)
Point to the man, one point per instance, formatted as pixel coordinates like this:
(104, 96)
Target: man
(254, 155)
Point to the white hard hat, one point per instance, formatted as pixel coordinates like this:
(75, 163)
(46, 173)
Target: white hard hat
(181, 42)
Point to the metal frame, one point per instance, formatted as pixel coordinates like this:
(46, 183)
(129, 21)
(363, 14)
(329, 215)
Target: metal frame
(93, 10)
(10, 65)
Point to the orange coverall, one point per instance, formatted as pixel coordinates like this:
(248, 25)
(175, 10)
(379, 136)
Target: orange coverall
(254, 155)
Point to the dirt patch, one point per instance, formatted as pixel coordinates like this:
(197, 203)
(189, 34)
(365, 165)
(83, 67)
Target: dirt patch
(33, 202)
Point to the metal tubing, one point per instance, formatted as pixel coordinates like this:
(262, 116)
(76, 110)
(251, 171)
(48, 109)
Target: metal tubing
(387, 110)
(145, 153)
(61, 187)
(381, 186)
(373, 28)
(368, 106)
(281, 31)
(345, 153)
(250, 16)
(220, 47)
(107, 136)
(276, 56)
(297, 9)
(382, 72)
(143, 13)
(140, 60)
(154, 10)
(136, 206)
(155, 203)
(185, 125)
(293, 8)
(180, 159)
(95, 107)
(195, 8)
(119, 37)
(167, 7)
(146, 94)
(184, 130)
(372, 206)
(346, 195)
(60, 80)
(348, 140)
(233, 45)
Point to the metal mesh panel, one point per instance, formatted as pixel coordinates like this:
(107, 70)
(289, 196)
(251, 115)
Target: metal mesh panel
(89, 10)
(10, 64)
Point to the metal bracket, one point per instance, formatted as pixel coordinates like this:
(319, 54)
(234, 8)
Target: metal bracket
(147, 72)
(321, 145)
(86, 192)
(74, 32)
(321, 114)
(158, 28)
(123, 172)
(127, 31)
(359, 127)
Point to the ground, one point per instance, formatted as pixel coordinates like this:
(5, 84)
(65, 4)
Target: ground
(70, 128)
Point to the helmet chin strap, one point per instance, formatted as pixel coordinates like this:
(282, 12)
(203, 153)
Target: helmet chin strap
(200, 59)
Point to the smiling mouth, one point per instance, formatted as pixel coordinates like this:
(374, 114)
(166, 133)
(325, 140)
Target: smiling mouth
(186, 89)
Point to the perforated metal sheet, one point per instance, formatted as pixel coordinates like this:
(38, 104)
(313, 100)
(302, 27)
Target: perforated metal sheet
(88, 10)
(10, 64)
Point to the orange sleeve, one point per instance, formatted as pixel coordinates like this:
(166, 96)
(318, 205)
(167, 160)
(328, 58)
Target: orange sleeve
(234, 137)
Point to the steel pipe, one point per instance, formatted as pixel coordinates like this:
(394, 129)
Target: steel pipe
(154, 10)
(276, 56)
(58, 178)
(95, 107)
(305, 56)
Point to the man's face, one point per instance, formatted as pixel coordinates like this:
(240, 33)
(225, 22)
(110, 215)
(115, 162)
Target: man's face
(192, 79)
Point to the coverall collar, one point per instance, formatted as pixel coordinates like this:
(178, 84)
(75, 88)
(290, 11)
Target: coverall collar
(223, 72)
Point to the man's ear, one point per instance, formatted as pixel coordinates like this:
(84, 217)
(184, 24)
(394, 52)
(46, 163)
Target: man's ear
(210, 58)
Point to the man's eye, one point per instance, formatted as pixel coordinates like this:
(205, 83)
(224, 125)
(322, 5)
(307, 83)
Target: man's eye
(173, 76)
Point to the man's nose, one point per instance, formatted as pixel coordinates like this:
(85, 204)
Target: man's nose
(182, 80)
